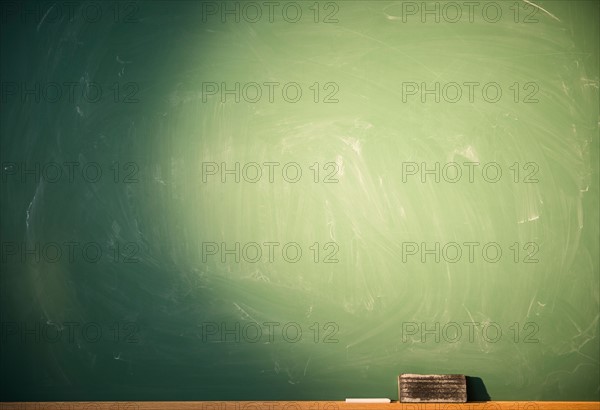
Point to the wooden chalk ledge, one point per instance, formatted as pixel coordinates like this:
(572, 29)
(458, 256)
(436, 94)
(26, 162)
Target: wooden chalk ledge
(300, 405)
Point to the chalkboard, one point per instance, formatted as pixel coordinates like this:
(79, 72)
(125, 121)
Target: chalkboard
(298, 200)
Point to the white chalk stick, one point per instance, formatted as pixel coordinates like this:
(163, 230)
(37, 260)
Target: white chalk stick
(368, 401)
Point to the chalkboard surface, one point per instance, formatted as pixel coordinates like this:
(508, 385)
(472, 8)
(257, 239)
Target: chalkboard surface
(298, 200)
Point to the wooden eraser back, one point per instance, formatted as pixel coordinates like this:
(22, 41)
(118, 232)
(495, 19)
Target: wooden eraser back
(440, 388)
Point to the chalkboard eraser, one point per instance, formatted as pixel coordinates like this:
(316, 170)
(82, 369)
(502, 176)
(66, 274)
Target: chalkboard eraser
(432, 388)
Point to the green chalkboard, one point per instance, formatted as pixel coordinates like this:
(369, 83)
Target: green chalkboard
(298, 200)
